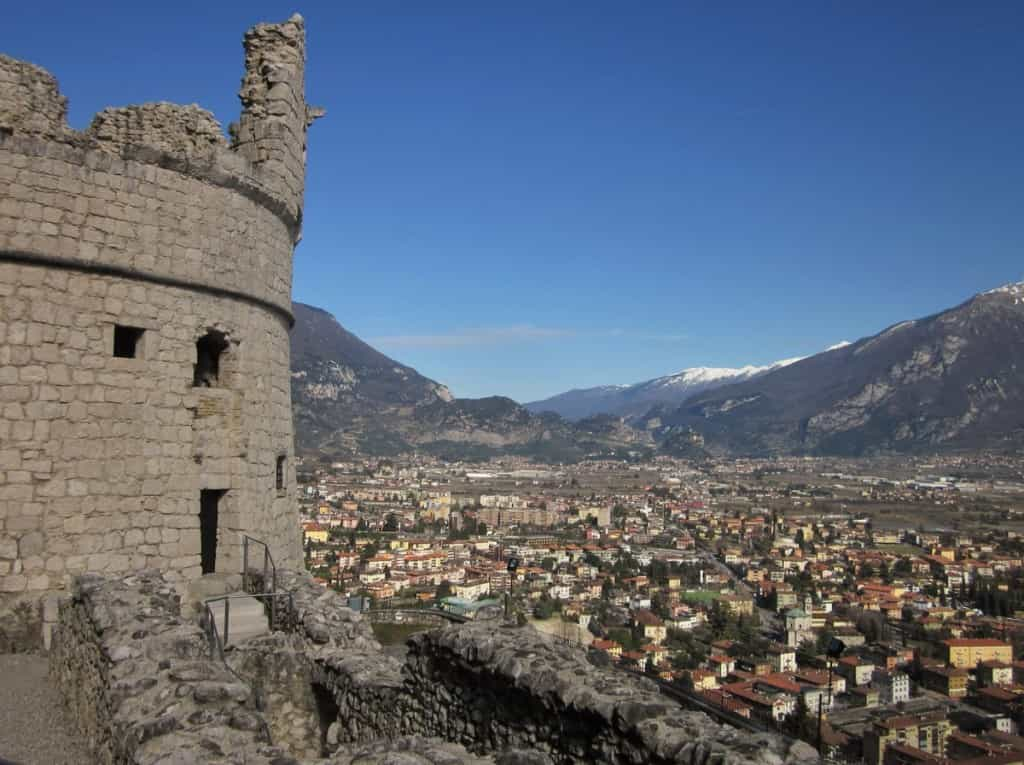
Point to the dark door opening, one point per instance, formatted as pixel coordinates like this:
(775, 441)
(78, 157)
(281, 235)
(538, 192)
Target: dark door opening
(209, 501)
(327, 713)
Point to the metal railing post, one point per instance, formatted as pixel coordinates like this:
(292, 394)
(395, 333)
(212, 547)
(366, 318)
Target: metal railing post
(273, 599)
(227, 613)
(245, 563)
(266, 563)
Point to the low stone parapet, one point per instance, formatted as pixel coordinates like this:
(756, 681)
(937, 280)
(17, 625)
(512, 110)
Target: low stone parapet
(495, 688)
(141, 688)
(138, 684)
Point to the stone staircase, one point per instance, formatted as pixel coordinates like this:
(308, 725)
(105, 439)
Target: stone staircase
(247, 618)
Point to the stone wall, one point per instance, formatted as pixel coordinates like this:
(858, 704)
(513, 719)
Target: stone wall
(137, 681)
(30, 101)
(492, 689)
(182, 130)
(497, 689)
(271, 132)
(140, 686)
(279, 671)
(148, 221)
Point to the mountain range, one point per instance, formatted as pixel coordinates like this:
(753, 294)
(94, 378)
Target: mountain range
(637, 399)
(951, 380)
(349, 399)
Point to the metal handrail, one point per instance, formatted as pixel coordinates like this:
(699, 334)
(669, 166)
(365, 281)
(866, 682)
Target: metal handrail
(268, 563)
(215, 643)
(212, 635)
(268, 567)
(273, 596)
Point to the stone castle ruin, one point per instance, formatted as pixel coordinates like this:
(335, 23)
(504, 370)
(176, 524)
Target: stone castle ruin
(146, 434)
(145, 305)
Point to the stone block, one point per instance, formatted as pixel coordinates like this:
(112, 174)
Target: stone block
(30, 544)
(13, 583)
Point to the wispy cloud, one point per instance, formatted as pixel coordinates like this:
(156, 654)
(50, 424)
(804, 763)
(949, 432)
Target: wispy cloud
(476, 336)
(516, 333)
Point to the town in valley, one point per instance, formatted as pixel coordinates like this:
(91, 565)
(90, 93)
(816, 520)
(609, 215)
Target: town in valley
(858, 604)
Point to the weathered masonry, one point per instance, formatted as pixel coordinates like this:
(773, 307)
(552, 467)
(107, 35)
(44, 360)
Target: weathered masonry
(141, 688)
(145, 305)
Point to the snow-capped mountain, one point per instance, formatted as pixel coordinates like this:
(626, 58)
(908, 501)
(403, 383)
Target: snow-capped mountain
(947, 381)
(637, 399)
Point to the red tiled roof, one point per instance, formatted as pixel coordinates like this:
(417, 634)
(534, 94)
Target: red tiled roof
(975, 643)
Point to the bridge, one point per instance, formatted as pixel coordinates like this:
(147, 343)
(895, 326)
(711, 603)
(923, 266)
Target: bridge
(433, 616)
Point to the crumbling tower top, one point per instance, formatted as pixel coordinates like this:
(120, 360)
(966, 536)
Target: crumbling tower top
(271, 132)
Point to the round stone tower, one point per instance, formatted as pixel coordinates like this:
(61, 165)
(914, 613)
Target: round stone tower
(145, 305)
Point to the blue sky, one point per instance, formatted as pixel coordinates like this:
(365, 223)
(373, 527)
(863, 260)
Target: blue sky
(524, 197)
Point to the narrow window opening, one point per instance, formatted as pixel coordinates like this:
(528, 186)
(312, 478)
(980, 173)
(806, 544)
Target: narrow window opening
(327, 712)
(279, 478)
(209, 351)
(209, 508)
(126, 341)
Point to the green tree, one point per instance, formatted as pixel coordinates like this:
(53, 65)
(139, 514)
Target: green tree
(658, 606)
(545, 607)
(797, 722)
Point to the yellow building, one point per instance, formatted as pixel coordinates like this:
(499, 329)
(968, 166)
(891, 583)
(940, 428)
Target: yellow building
(603, 515)
(929, 733)
(314, 532)
(967, 653)
(949, 681)
(736, 605)
(650, 626)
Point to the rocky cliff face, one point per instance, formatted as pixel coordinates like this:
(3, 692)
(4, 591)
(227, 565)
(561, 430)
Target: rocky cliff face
(348, 398)
(952, 380)
(345, 393)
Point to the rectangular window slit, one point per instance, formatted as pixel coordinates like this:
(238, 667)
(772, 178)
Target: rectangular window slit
(126, 341)
(280, 472)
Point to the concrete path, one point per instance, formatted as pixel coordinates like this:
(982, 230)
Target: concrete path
(33, 728)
